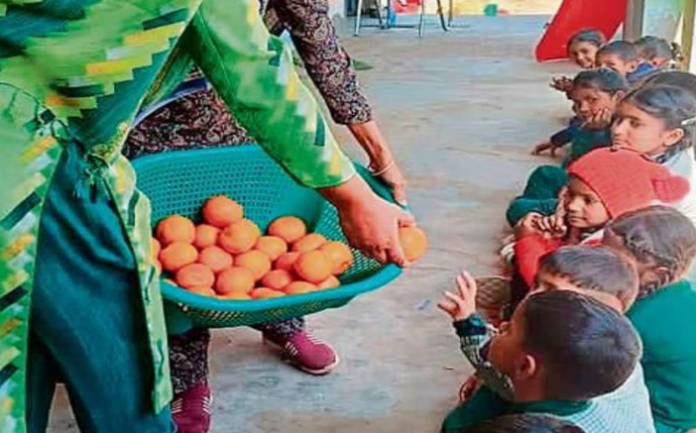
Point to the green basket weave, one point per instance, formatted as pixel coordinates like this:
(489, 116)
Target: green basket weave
(179, 182)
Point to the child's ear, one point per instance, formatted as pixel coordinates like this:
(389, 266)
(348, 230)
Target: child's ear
(619, 95)
(663, 275)
(633, 65)
(673, 137)
(529, 367)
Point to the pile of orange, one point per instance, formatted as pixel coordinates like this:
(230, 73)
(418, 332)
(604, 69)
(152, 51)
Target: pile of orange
(228, 257)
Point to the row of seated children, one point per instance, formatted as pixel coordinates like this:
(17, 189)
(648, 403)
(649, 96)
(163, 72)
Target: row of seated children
(599, 334)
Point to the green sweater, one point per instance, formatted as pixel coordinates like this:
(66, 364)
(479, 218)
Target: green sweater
(666, 322)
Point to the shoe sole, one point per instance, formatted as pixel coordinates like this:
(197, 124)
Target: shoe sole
(323, 372)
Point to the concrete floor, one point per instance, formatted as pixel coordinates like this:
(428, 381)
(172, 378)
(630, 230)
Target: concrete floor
(462, 110)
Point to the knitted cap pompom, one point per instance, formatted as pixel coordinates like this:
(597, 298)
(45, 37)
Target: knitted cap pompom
(671, 189)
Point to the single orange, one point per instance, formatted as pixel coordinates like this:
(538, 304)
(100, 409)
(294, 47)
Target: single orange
(311, 242)
(175, 228)
(221, 211)
(234, 279)
(256, 261)
(340, 255)
(330, 283)
(272, 246)
(195, 275)
(277, 279)
(300, 287)
(239, 237)
(202, 290)
(215, 258)
(288, 228)
(206, 235)
(155, 247)
(414, 242)
(234, 296)
(177, 255)
(265, 293)
(313, 266)
(286, 261)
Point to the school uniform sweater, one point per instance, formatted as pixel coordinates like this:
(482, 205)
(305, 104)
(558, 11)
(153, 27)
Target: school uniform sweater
(666, 322)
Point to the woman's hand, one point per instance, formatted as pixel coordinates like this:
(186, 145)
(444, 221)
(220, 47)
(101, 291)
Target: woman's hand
(382, 163)
(370, 223)
(461, 305)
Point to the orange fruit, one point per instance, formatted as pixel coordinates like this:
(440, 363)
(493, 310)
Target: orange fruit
(272, 246)
(195, 275)
(206, 235)
(155, 247)
(340, 255)
(313, 266)
(234, 296)
(234, 279)
(239, 237)
(256, 261)
(177, 255)
(265, 293)
(330, 283)
(414, 242)
(288, 228)
(286, 261)
(310, 242)
(202, 290)
(277, 279)
(215, 258)
(300, 287)
(221, 211)
(175, 228)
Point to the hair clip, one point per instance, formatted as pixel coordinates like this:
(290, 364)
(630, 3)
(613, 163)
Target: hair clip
(689, 122)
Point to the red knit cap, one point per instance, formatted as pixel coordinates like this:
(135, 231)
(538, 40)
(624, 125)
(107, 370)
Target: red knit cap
(625, 180)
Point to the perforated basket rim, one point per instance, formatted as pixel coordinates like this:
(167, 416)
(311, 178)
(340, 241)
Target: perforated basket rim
(379, 278)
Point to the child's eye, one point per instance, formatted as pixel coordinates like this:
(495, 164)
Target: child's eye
(635, 124)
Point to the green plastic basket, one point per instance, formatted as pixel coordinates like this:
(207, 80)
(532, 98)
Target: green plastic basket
(179, 182)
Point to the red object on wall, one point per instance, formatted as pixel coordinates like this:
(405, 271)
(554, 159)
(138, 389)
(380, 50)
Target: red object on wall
(575, 15)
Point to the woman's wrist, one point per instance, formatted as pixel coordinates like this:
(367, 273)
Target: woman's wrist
(354, 190)
(373, 143)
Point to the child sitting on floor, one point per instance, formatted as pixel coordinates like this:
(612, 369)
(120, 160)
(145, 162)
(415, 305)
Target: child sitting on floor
(602, 185)
(596, 94)
(597, 272)
(525, 423)
(622, 56)
(659, 53)
(560, 351)
(582, 50)
(662, 242)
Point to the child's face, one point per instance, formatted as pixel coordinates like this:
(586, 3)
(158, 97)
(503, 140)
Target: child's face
(589, 101)
(635, 129)
(583, 54)
(546, 282)
(583, 207)
(613, 61)
(506, 350)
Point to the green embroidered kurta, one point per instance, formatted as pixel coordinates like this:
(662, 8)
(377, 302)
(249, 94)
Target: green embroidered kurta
(80, 70)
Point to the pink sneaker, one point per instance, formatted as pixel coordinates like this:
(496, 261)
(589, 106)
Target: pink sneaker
(306, 352)
(191, 410)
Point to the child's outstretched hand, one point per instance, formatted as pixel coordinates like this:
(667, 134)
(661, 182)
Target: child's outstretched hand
(461, 305)
(600, 120)
(543, 147)
(562, 84)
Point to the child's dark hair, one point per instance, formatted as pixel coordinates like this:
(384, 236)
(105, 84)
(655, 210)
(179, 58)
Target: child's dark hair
(658, 237)
(673, 105)
(624, 50)
(651, 47)
(591, 36)
(525, 423)
(683, 80)
(603, 79)
(599, 269)
(586, 349)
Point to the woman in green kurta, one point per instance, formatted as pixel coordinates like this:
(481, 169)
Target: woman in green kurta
(74, 230)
